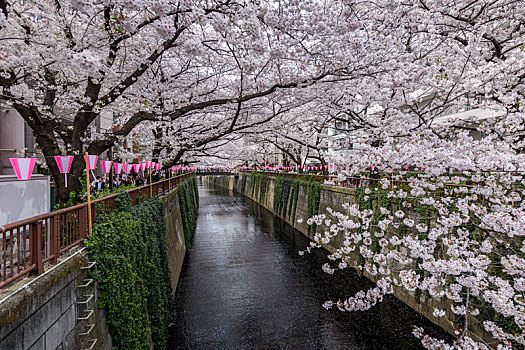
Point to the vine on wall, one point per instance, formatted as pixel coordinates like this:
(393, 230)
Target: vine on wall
(243, 182)
(253, 183)
(262, 186)
(313, 193)
(258, 185)
(286, 194)
(132, 273)
(188, 202)
(282, 193)
(277, 193)
(195, 190)
(292, 206)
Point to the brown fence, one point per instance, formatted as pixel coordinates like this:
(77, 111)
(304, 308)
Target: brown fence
(28, 245)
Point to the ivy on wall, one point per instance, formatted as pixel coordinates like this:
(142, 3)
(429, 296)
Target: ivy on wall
(243, 182)
(195, 190)
(286, 194)
(258, 185)
(313, 193)
(188, 202)
(253, 183)
(277, 193)
(262, 186)
(281, 204)
(294, 195)
(222, 180)
(132, 273)
(280, 195)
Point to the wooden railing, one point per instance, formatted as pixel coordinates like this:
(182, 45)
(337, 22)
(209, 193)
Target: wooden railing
(28, 245)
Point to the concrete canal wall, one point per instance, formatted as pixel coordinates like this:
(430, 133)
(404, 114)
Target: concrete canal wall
(54, 309)
(59, 309)
(334, 197)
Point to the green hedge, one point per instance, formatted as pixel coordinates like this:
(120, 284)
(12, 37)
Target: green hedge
(132, 273)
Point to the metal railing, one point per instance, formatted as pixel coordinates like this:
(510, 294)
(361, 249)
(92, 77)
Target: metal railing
(448, 189)
(26, 246)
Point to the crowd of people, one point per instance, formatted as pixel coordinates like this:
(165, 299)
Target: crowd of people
(133, 179)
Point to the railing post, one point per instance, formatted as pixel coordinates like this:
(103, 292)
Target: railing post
(82, 222)
(93, 215)
(53, 239)
(36, 246)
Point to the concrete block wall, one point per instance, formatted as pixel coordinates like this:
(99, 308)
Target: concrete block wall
(174, 236)
(44, 313)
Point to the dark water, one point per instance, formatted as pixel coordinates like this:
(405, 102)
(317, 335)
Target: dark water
(244, 286)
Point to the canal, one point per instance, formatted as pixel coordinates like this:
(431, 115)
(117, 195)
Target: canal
(244, 286)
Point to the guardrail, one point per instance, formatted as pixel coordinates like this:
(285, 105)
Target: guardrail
(26, 246)
(448, 189)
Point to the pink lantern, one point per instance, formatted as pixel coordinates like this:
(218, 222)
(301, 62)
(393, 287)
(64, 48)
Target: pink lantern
(64, 165)
(118, 168)
(91, 161)
(106, 166)
(23, 167)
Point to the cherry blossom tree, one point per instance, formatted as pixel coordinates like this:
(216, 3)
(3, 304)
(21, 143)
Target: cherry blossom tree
(66, 61)
(454, 229)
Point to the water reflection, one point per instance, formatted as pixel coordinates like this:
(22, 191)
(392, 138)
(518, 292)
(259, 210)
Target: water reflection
(244, 286)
